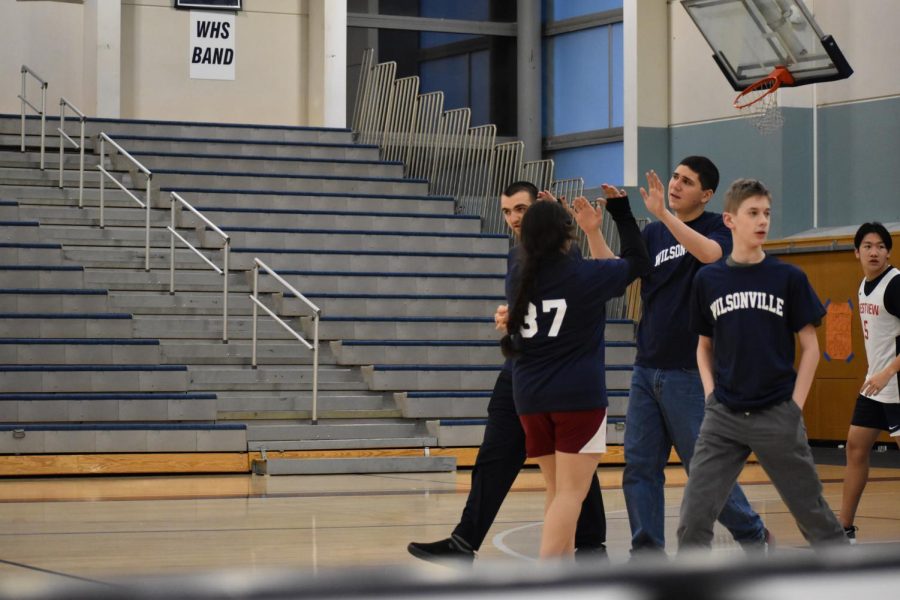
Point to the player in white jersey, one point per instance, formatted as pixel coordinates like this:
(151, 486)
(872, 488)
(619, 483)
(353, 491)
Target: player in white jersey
(878, 405)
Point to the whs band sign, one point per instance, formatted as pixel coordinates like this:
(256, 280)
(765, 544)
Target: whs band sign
(212, 45)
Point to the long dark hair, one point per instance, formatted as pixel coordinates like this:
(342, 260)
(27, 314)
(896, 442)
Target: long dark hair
(546, 228)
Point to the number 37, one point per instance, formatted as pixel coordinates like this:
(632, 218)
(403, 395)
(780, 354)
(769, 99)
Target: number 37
(530, 328)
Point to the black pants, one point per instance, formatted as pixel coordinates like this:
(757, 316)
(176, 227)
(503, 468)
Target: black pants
(499, 461)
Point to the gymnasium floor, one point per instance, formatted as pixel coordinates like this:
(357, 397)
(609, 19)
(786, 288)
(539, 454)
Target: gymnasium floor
(98, 528)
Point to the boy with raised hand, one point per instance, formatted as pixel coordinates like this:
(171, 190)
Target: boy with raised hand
(878, 405)
(502, 452)
(665, 404)
(746, 310)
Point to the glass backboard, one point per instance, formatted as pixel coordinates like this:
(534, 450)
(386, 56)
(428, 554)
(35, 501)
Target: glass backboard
(750, 38)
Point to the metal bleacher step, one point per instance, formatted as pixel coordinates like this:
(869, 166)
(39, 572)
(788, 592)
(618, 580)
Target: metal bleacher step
(272, 378)
(273, 401)
(380, 282)
(106, 407)
(239, 145)
(93, 378)
(333, 219)
(402, 351)
(59, 438)
(443, 404)
(333, 466)
(408, 305)
(442, 351)
(239, 352)
(87, 351)
(357, 239)
(209, 327)
(333, 434)
(332, 414)
(12, 253)
(284, 181)
(65, 325)
(19, 231)
(187, 129)
(20, 299)
(385, 260)
(210, 161)
(41, 276)
(458, 377)
(158, 280)
(406, 328)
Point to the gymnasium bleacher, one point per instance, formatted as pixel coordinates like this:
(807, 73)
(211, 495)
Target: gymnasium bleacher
(108, 362)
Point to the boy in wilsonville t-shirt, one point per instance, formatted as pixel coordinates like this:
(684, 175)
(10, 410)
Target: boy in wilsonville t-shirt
(747, 309)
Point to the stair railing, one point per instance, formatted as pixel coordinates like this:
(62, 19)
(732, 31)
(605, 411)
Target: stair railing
(174, 200)
(41, 111)
(317, 314)
(79, 145)
(105, 139)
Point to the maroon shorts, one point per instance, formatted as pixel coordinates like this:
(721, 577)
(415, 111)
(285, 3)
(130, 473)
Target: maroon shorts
(573, 432)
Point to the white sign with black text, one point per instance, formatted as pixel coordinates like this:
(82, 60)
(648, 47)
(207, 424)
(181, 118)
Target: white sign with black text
(212, 45)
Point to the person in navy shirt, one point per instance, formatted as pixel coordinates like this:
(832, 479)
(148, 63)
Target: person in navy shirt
(502, 452)
(555, 328)
(665, 404)
(746, 310)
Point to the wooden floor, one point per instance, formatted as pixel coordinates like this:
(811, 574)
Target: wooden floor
(98, 528)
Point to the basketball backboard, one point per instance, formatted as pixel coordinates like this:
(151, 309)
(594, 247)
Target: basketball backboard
(750, 38)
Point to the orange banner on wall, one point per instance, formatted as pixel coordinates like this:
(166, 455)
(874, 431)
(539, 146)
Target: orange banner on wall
(838, 340)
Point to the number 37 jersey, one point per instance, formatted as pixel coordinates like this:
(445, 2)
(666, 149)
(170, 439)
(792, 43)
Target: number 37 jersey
(562, 367)
(881, 333)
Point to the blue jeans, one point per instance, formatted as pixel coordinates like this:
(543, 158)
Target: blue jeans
(665, 408)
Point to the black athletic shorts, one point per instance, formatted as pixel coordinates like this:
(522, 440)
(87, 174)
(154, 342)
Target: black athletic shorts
(877, 415)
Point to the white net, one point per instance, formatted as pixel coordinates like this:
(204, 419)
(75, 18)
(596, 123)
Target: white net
(764, 113)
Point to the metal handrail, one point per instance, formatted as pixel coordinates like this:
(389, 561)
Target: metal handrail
(41, 111)
(317, 313)
(226, 251)
(63, 103)
(104, 139)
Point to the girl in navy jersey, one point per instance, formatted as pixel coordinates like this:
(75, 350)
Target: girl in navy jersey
(555, 331)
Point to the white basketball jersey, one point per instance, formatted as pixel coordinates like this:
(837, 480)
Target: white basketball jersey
(881, 331)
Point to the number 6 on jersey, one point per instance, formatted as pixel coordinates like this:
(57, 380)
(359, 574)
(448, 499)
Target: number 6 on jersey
(530, 328)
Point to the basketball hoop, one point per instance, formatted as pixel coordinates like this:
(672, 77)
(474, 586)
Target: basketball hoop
(760, 102)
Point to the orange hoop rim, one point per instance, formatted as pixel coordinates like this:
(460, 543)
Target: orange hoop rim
(778, 77)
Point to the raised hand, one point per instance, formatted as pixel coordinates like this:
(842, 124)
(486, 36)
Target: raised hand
(612, 191)
(547, 195)
(654, 199)
(589, 218)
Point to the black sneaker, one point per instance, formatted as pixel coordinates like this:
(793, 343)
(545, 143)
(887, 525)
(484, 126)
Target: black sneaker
(850, 532)
(454, 548)
(761, 547)
(590, 554)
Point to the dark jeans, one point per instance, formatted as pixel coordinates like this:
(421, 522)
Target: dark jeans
(499, 461)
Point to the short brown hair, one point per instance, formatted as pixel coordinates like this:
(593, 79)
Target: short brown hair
(742, 189)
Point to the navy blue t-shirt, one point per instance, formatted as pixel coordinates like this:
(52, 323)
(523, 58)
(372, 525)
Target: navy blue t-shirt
(664, 340)
(752, 313)
(562, 364)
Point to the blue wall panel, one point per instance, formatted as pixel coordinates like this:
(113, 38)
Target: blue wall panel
(859, 163)
(580, 76)
(596, 164)
(566, 9)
